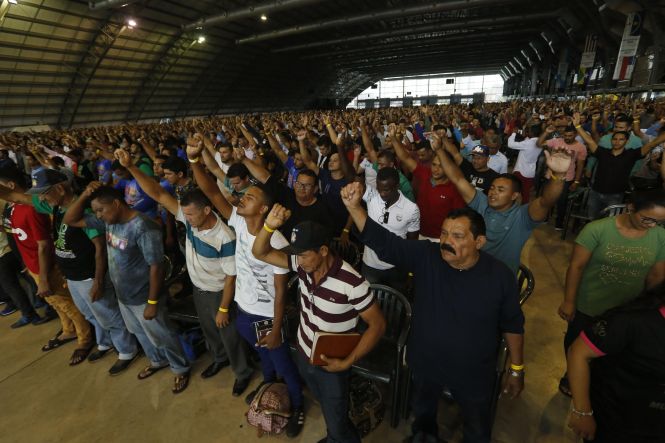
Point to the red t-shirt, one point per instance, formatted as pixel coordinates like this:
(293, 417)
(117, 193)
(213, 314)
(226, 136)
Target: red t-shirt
(29, 227)
(434, 201)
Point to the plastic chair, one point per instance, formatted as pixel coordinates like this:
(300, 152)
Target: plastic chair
(385, 362)
(576, 209)
(613, 210)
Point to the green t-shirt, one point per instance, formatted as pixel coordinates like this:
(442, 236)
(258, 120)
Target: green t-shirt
(618, 266)
(404, 184)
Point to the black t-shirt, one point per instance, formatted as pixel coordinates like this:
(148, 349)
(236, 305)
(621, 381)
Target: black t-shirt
(479, 180)
(628, 381)
(74, 251)
(318, 211)
(613, 171)
(331, 195)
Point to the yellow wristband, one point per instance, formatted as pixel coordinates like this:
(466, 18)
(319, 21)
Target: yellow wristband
(196, 160)
(268, 228)
(410, 274)
(152, 302)
(224, 310)
(517, 367)
(346, 230)
(578, 126)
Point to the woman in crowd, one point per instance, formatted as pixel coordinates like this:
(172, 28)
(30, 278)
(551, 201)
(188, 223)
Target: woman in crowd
(616, 369)
(611, 259)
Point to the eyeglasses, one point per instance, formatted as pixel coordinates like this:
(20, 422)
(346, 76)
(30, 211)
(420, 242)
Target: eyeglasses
(304, 185)
(649, 221)
(385, 215)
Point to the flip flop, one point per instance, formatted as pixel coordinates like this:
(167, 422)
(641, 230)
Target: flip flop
(56, 343)
(79, 356)
(180, 383)
(149, 371)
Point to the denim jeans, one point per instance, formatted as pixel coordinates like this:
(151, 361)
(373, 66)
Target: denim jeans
(474, 405)
(273, 361)
(331, 389)
(597, 202)
(159, 342)
(104, 314)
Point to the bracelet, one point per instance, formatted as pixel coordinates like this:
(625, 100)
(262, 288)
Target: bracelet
(328, 125)
(195, 160)
(152, 302)
(346, 230)
(268, 228)
(517, 367)
(578, 126)
(516, 373)
(555, 177)
(582, 414)
(224, 310)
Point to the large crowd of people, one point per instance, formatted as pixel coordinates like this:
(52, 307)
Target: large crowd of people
(440, 199)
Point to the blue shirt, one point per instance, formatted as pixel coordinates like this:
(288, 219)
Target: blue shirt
(136, 198)
(290, 166)
(104, 171)
(132, 247)
(507, 231)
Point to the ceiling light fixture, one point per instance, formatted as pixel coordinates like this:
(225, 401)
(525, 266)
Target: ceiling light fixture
(13, 2)
(131, 23)
(201, 39)
(264, 17)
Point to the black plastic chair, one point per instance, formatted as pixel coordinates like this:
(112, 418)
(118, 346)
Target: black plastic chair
(576, 210)
(385, 362)
(613, 210)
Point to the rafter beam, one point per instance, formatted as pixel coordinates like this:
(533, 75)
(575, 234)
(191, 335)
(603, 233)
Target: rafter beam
(110, 3)
(370, 17)
(414, 30)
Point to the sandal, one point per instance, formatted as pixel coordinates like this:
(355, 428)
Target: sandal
(56, 343)
(180, 383)
(79, 356)
(149, 371)
(564, 387)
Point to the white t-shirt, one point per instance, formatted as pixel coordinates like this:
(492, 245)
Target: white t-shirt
(370, 172)
(255, 280)
(210, 254)
(403, 217)
(223, 166)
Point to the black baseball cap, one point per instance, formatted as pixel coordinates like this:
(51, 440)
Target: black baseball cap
(308, 236)
(44, 179)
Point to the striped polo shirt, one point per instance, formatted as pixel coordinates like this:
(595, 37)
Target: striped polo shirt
(210, 254)
(333, 304)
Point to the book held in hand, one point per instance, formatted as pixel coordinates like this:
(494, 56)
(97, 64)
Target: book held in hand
(333, 346)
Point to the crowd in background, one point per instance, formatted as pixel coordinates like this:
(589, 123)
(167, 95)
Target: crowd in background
(440, 199)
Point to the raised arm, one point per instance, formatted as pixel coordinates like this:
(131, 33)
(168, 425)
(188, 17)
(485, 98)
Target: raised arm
(76, 211)
(276, 148)
(453, 172)
(149, 185)
(558, 162)
(207, 184)
(255, 168)
(304, 152)
(588, 140)
(148, 148)
(372, 155)
(345, 164)
(409, 163)
(653, 143)
(262, 249)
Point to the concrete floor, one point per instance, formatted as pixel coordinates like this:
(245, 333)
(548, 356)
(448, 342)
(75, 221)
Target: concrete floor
(42, 399)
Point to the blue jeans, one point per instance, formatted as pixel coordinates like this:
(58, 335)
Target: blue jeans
(331, 389)
(475, 408)
(104, 314)
(159, 342)
(273, 361)
(597, 202)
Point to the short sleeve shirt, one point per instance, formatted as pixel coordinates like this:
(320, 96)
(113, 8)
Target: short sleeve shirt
(28, 228)
(210, 254)
(613, 171)
(435, 201)
(132, 247)
(290, 166)
(255, 280)
(507, 231)
(618, 265)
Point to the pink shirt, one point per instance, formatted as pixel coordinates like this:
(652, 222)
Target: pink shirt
(578, 150)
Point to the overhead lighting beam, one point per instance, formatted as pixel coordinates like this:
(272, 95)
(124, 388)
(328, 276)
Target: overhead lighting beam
(247, 12)
(370, 16)
(456, 24)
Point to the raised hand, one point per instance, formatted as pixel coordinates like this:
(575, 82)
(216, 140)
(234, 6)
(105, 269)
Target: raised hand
(352, 195)
(302, 135)
(277, 216)
(559, 159)
(91, 188)
(123, 157)
(194, 151)
(576, 119)
(238, 154)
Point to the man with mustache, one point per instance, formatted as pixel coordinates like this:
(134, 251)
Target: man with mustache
(460, 291)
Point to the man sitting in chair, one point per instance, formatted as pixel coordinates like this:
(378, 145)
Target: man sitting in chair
(463, 298)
